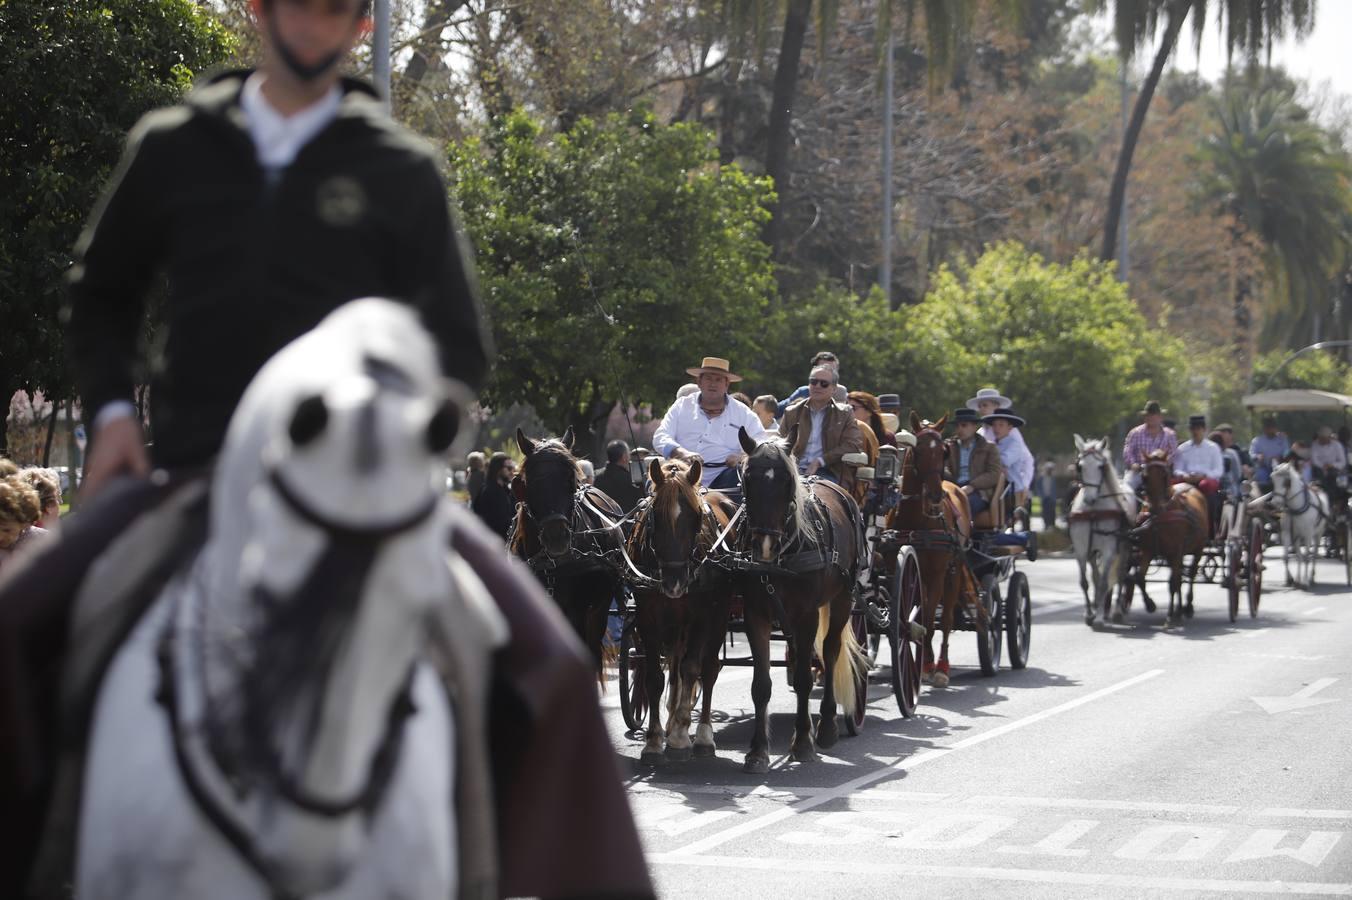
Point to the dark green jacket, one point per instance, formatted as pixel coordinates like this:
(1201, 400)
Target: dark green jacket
(254, 262)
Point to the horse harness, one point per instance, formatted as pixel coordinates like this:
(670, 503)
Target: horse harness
(383, 762)
(587, 551)
(703, 554)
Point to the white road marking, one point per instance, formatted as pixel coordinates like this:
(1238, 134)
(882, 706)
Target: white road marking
(1257, 632)
(1119, 805)
(816, 865)
(1058, 842)
(1278, 812)
(902, 763)
(1314, 612)
(1301, 699)
(1173, 843)
(1264, 844)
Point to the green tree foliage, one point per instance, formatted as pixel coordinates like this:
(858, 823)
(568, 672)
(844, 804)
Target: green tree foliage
(612, 256)
(78, 74)
(1065, 342)
(1282, 179)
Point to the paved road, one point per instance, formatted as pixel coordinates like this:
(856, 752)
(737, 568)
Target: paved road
(1124, 761)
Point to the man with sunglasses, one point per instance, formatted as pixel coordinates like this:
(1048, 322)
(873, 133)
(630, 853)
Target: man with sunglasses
(827, 430)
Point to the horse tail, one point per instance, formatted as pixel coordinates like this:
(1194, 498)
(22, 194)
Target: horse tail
(851, 663)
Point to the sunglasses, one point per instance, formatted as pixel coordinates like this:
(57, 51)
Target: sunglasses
(821, 382)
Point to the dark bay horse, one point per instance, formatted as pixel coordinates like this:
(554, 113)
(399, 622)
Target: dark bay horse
(1176, 524)
(813, 535)
(568, 533)
(935, 518)
(683, 613)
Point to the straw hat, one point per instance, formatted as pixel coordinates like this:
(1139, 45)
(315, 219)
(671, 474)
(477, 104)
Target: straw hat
(714, 366)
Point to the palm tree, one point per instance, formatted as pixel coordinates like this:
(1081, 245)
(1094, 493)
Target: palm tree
(1285, 186)
(1250, 26)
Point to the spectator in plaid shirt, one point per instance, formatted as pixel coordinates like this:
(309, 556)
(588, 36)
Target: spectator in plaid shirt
(1144, 439)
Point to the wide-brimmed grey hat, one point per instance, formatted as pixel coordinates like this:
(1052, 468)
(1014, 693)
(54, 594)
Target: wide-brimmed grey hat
(989, 394)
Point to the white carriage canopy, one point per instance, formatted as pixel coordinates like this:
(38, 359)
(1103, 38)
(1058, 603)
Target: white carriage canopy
(1292, 400)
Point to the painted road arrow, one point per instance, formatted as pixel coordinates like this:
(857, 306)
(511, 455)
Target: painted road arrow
(1301, 699)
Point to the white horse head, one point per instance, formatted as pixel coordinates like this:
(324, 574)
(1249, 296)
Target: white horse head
(1286, 484)
(297, 635)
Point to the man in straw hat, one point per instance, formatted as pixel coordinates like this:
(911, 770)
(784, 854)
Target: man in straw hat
(1146, 438)
(703, 425)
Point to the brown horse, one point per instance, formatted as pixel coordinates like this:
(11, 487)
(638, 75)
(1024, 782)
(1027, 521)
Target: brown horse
(683, 613)
(935, 518)
(566, 532)
(812, 534)
(1175, 523)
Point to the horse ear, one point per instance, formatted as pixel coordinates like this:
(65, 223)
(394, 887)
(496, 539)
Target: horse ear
(443, 427)
(939, 425)
(1079, 444)
(693, 473)
(655, 470)
(568, 439)
(1104, 443)
(748, 444)
(309, 420)
(526, 444)
(518, 488)
(915, 422)
(791, 440)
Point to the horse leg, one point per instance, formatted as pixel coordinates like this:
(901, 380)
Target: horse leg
(650, 630)
(836, 618)
(801, 748)
(1175, 616)
(758, 636)
(1088, 567)
(951, 599)
(715, 627)
(1192, 578)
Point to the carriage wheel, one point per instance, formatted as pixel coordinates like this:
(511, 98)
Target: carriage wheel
(1233, 561)
(906, 598)
(988, 635)
(633, 686)
(1347, 546)
(1257, 541)
(1018, 620)
(854, 718)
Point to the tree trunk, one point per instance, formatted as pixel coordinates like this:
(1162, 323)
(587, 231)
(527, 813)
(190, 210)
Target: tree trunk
(6, 394)
(781, 114)
(51, 433)
(1243, 292)
(1178, 12)
(727, 119)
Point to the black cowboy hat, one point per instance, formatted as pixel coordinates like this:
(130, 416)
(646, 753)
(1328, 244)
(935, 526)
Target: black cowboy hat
(964, 414)
(889, 401)
(1008, 415)
(1153, 409)
(1198, 421)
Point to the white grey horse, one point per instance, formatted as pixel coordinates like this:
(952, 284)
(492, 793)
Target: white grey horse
(272, 728)
(1100, 518)
(1304, 510)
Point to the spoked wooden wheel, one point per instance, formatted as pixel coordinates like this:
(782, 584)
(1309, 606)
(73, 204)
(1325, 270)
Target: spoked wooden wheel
(906, 598)
(633, 686)
(1347, 545)
(854, 718)
(1257, 541)
(1234, 556)
(988, 636)
(1018, 620)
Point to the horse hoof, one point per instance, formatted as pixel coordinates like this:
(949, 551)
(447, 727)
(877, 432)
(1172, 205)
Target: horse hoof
(705, 751)
(1149, 605)
(651, 758)
(805, 755)
(1118, 618)
(1187, 612)
(1089, 619)
(827, 735)
(941, 679)
(678, 754)
(756, 765)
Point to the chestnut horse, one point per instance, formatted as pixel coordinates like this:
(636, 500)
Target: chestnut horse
(812, 534)
(1176, 524)
(934, 517)
(568, 533)
(683, 612)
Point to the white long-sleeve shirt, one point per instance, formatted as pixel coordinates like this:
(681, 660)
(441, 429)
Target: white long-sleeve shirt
(1018, 460)
(1203, 459)
(1330, 454)
(715, 439)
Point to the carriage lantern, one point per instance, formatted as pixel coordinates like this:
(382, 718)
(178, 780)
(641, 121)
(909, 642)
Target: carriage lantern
(888, 466)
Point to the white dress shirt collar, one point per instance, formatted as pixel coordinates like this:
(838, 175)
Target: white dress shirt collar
(278, 138)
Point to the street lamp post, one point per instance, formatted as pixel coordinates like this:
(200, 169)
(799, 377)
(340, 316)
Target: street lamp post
(1318, 345)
